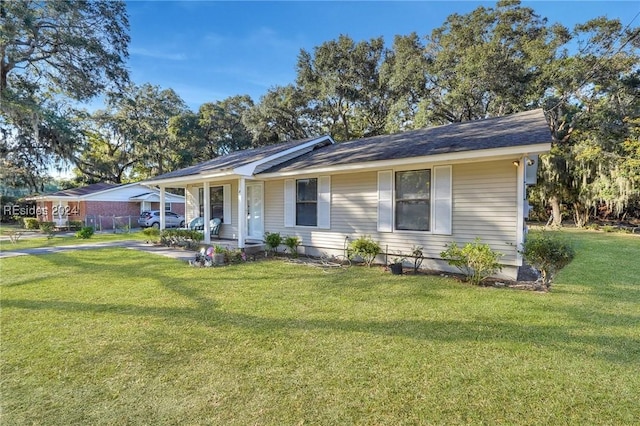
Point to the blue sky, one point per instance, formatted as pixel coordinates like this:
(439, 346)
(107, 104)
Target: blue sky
(209, 50)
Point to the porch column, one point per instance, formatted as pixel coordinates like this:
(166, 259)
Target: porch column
(242, 212)
(58, 221)
(191, 207)
(207, 213)
(162, 218)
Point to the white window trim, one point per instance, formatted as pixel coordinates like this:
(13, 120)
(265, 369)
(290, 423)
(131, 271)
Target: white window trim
(226, 201)
(226, 204)
(441, 201)
(385, 201)
(323, 203)
(289, 203)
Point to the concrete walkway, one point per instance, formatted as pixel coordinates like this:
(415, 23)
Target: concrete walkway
(175, 253)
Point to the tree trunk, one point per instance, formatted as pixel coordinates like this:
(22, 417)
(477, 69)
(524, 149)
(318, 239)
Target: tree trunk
(556, 215)
(580, 214)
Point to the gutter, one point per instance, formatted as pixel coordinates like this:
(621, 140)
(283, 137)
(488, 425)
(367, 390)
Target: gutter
(457, 157)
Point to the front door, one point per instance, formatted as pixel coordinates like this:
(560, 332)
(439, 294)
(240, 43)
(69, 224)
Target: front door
(61, 213)
(255, 211)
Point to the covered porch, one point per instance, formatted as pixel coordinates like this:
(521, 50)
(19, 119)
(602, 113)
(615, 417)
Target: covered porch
(227, 188)
(238, 202)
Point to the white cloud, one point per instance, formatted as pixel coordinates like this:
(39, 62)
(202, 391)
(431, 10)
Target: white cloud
(157, 54)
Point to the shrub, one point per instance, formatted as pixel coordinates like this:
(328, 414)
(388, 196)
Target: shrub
(608, 228)
(236, 256)
(292, 243)
(547, 254)
(366, 248)
(14, 235)
(48, 228)
(31, 223)
(475, 260)
(187, 238)
(272, 240)
(151, 232)
(74, 225)
(85, 232)
(418, 256)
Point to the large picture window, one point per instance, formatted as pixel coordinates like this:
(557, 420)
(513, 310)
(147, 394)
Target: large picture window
(413, 200)
(307, 202)
(216, 197)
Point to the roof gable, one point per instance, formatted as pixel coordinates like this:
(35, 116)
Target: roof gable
(245, 162)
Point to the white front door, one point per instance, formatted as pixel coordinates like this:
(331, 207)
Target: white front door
(60, 213)
(255, 211)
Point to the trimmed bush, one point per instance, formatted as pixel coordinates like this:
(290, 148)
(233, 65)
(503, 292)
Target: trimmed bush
(366, 248)
(85, 232)
(75, 225)
(48, 228)
(292, 244)
(475, 260)
(273, 241)
(151, 232)
(31, 223)
(547, 254)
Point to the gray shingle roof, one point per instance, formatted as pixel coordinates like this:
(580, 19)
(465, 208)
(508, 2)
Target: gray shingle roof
(85, 190)
(232, 160)
(519, 129)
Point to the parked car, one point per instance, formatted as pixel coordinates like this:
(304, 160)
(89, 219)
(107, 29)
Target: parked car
(152, 218)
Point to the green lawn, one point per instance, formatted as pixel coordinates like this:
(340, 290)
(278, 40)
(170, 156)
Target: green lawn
(115, 336)
(62, 238)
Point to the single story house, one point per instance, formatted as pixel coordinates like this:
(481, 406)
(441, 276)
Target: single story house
(425, 187)
(99, 203)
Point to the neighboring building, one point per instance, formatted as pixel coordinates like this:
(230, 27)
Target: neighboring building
(100, 203)
(426, 187)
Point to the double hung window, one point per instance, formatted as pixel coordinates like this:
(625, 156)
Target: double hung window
(413, 200)
(307, 202)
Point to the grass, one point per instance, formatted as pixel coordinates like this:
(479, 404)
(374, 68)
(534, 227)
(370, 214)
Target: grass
(115, 336)
(62, 238)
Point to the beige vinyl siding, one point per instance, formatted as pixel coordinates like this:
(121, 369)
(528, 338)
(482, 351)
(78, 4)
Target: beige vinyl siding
(484, 205)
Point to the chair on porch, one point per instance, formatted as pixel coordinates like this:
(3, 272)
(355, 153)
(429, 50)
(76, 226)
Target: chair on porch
(214, 224)
(196, 224)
